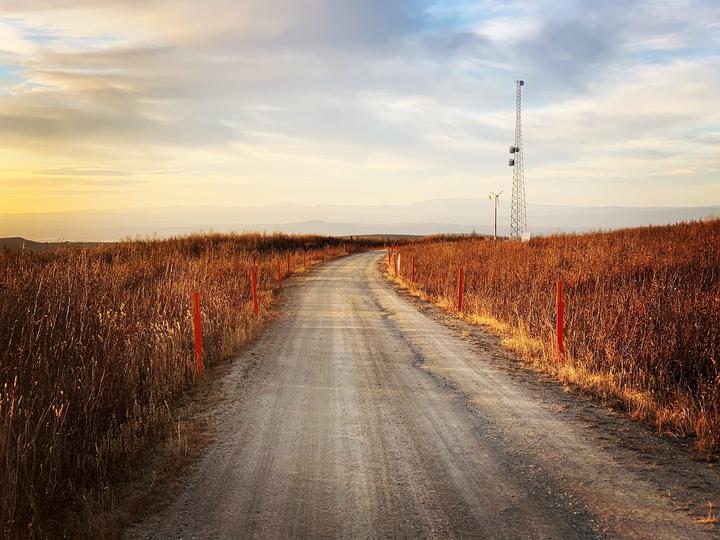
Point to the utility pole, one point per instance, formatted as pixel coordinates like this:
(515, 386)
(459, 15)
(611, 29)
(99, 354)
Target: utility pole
(518, 219)
(495, 196)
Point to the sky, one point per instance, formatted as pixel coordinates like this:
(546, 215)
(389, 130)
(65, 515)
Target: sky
(143, 103)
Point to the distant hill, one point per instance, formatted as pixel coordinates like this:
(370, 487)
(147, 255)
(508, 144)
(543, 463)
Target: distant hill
(18, 243)
(427, 217)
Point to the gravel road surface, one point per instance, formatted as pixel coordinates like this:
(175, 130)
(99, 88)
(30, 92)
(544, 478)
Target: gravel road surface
(357, 414)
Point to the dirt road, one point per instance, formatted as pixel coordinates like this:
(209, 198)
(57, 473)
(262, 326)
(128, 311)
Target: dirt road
(358, 415)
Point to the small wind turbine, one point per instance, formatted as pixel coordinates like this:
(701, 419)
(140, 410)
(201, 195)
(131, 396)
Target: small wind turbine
(495, 196)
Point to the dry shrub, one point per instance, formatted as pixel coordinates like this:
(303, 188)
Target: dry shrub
(642, 313)
(95, 342)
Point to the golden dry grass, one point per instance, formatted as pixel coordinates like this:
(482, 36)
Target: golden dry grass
(94, 345)
(642, 312)
(712, 518)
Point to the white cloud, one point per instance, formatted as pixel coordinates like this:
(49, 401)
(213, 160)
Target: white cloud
(333, 100)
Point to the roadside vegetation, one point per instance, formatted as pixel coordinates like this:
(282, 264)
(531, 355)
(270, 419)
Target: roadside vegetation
(96, 344)
(642, 312)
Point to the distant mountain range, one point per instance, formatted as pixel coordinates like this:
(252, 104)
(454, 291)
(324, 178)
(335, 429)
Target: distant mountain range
(427, 217)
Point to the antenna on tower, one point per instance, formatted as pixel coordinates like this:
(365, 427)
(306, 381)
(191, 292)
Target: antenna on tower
(518, 219)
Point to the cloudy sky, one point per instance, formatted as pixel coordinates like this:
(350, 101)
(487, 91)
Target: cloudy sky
(135, 103)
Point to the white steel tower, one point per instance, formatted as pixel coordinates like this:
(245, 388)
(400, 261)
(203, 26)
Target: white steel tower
(518, 219)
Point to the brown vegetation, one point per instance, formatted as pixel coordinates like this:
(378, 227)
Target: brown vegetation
(95, 343)
(642, 312)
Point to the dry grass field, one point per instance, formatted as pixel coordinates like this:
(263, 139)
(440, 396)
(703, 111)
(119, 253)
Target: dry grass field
(642, 312)
(97, 343)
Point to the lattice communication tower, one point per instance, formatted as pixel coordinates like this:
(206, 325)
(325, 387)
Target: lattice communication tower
(518, 218)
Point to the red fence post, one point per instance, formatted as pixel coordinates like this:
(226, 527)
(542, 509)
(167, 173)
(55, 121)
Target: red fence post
(460, 290)
(560, 320)
(279, 273)
(412, 271)
(253, 281)
(199, 364)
